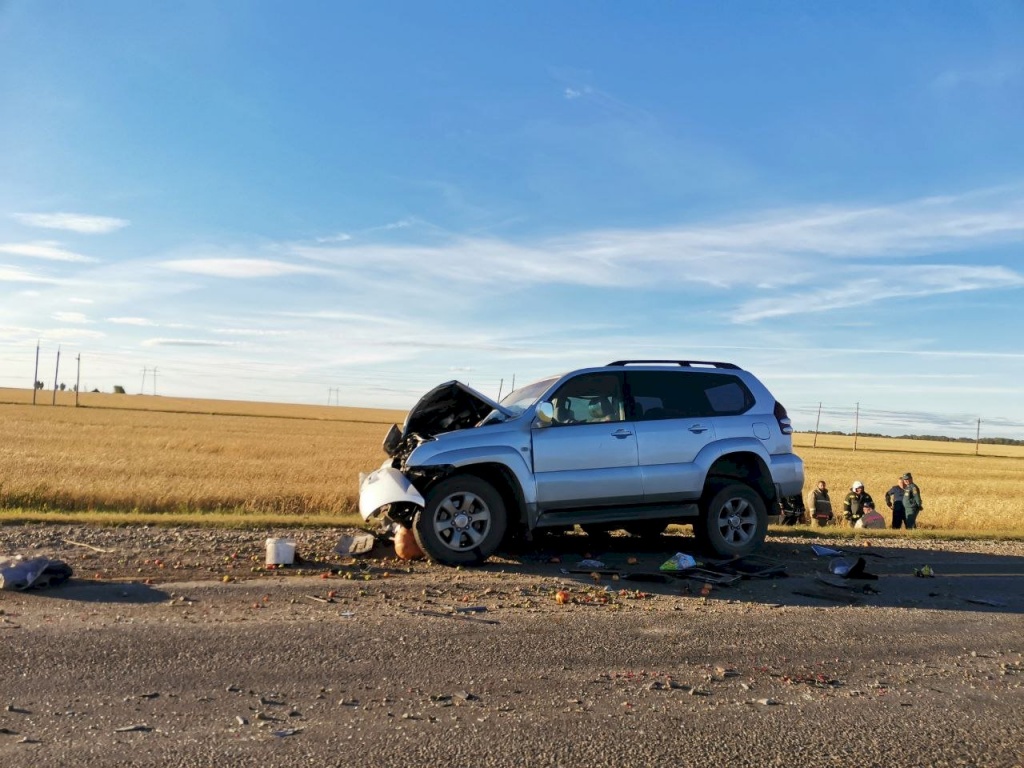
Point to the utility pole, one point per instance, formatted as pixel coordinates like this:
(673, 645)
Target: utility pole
(977, 438)
(142, 389)
(816, 425)
(56, 375)
(35, 376)
(856, 426)
(78, 377)
(154, 380)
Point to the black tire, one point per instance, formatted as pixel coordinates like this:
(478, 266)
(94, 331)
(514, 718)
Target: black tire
(647, 529)
(733, 523)
(463, 521)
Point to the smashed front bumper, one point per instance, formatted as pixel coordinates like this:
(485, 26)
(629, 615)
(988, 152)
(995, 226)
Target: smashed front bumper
(384, 487)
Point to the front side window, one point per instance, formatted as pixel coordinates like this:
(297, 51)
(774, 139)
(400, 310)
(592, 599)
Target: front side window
(589, 399)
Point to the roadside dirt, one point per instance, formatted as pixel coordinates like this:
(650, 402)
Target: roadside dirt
(178, 647)
(966, 573)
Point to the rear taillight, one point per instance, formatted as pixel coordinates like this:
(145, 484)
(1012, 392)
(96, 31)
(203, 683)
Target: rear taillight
(783, 418)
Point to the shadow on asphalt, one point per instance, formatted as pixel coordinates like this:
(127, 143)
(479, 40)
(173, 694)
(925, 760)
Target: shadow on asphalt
(78, 590)
(960, 581)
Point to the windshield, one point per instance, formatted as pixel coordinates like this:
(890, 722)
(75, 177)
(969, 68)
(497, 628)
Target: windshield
(518, 400)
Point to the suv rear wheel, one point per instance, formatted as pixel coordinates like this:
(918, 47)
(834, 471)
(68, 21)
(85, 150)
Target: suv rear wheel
(733, 523)
(463, 521)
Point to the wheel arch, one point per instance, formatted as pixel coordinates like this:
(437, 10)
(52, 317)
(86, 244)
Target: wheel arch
(498, 475)
(746, 467)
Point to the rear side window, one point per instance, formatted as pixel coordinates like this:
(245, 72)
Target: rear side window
(679, 395)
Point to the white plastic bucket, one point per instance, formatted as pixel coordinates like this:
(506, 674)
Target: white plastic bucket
(280, 551)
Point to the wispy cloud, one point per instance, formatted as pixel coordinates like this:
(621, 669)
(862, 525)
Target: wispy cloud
(139, 321)
(786, 248)
(238, 268)
(9, 274)
(341, 237)
(71, 222)
(252, 332)
(884, 284)
(71, 334)
(992, 75)
(186, 343)
(70, 317)
(44, 249)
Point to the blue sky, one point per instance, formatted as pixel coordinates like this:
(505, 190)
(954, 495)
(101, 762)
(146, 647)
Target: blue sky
(351, 202)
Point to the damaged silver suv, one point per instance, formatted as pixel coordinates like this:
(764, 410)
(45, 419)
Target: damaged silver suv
(635, 444)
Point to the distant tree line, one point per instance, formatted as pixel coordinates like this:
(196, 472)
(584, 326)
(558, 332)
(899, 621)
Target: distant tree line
(939, 438)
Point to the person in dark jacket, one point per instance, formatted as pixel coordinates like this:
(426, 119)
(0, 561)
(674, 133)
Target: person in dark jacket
(912, 503)
(820, 505)
(857, 503)
(894, 501)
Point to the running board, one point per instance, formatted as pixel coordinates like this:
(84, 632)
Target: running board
(621, 516)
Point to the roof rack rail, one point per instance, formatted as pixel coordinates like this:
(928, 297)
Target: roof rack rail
(682, 363)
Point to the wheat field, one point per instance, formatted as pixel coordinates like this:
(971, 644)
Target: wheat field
(138, 457)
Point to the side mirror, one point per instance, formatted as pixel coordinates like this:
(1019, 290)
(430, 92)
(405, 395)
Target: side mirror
(545, 414)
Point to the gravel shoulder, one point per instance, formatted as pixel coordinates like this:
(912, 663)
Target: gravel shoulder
(177, 647)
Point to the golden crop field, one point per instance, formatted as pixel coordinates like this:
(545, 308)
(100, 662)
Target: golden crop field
(147, 458)
(961, 491)
(143, 454)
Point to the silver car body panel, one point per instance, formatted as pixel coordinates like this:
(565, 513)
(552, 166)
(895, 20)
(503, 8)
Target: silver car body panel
(385, 486)
(587, 464)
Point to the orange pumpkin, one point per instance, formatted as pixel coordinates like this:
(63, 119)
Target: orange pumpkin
(406, 547)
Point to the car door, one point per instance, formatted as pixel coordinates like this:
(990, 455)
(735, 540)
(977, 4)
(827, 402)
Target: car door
(672, 424)
(588, 456)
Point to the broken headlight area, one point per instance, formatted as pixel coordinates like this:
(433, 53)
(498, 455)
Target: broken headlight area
(398, 447)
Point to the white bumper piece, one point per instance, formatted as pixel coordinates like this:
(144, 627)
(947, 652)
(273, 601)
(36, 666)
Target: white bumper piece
(385, 486)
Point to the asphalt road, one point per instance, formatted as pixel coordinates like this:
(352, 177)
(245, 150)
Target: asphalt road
(433, 666)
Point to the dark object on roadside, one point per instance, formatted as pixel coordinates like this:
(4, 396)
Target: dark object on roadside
(792, 510)
(358, 544)
(17, 573)
(851, 570)
(750, 567)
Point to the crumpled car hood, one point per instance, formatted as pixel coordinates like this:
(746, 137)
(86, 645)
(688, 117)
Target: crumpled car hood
(448, 407)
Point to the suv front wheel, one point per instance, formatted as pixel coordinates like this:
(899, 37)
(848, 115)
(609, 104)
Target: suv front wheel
(733, 523)
(463, 521)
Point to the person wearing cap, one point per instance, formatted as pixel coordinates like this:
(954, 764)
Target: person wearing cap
(894, 501)
(912, 503)
(858, 501)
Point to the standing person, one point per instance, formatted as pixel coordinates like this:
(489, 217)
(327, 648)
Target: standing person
(820, 505)
(894, 501)
(856, 502)
(912, 503)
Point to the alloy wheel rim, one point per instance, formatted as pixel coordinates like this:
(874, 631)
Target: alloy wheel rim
(462, 521)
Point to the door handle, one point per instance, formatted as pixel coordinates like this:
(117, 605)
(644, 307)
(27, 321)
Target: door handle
(698, 428)
(621, 433)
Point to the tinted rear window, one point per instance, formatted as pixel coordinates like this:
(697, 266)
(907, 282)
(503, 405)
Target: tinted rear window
(689, 394)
